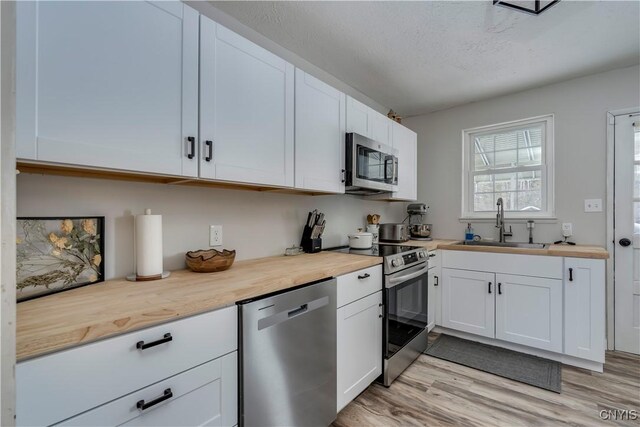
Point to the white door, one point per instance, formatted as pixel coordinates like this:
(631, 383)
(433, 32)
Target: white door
(584, 308)
(108, 84)
(627, 233)
(529, 311)
(246, 110)
(319, 135)
(468, 302)
(406, 142)
(359, 347)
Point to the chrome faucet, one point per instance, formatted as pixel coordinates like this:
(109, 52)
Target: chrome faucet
(500, 221)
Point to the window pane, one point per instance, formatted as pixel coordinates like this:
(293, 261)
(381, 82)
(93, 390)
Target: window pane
(483, 184)
(636, 181)
(531, 137)
(530, 156)
(530, 201)
(506, 182)
(509, 200)
(484, 144)
(483, 161)
(506, 159)
(636, 213)
(483, 202)
(531, 180)
(637, 145)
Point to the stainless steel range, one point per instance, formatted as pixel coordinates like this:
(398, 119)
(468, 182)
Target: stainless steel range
(405, 305)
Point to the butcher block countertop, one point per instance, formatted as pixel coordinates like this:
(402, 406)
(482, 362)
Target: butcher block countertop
(90, 313)
(577, 251)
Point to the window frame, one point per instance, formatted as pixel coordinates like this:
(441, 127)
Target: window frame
(546, 168)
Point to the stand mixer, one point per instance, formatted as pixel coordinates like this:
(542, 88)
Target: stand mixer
(417, 228)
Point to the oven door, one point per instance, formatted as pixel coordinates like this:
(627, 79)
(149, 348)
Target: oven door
(405, 307)
(373, 165)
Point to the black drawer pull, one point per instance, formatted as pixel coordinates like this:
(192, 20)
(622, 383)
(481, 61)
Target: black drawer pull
(343, 175)
(141, 345)
(168, 394)
(437, 281)
(432, 255)
(210, 145)
(489, 287)
(364, 276)
(571, 274)
(499, 288)
(192, 142)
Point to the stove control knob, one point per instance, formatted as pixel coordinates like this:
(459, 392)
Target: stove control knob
(396, 262)
(421, 254)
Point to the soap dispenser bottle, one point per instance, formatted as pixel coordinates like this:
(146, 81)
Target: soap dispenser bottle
(468, 234)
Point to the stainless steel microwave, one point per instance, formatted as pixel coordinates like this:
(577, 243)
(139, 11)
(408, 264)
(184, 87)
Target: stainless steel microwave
(371, 167)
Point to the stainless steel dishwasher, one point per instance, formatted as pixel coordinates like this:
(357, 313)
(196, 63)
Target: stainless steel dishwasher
(288, 357)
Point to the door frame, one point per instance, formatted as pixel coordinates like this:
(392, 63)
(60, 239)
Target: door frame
(611, 114)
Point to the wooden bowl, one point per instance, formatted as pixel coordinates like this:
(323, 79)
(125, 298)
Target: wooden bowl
(208, 261)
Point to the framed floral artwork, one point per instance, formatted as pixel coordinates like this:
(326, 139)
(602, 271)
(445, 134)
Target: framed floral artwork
(57, 254)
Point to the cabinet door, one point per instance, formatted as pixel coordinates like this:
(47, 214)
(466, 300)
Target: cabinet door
(319, 135)
(584, 308)
(468, 301)
(359, 347)
(433, 280)
(204, 395)
(358, 118)
(406, 142)
(246, 110)
(108, 84)
(529, 311)
(381, 127)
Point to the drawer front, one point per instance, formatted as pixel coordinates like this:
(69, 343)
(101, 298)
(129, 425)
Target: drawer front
(205, 395)
(434, 259)
(359, 284)
(518, 264)
(55, 387)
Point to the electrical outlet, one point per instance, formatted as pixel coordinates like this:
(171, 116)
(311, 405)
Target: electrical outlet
(567, 229)
(215, 235)
(593, 205)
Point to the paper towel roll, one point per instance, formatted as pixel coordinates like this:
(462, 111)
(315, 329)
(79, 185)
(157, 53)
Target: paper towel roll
(148, 246)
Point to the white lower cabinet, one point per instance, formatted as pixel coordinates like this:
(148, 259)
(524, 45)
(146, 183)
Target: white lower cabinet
(468, 302)
(203, 396)
(432, 280)
(61, 385)
(359, 347)
(529, 311)
(584, 308)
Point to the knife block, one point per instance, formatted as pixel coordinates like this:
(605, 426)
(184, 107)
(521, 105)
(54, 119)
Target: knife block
(308, 244)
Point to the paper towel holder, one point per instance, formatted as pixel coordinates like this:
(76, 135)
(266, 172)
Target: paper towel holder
(135, 277)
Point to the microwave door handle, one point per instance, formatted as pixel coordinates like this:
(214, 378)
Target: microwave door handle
(395, 170)
(396, 280)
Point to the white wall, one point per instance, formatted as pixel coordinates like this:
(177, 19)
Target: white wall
(580, 106)
(256, 224)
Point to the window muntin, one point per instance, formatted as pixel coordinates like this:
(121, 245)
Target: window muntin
(512, 161)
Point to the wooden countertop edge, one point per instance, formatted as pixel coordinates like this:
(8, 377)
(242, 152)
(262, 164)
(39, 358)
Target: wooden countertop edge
(590, 252)
(36, 341)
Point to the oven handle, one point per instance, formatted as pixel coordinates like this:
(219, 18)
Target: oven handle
(396, 280)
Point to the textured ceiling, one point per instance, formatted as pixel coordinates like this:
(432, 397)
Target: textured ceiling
(418, 57)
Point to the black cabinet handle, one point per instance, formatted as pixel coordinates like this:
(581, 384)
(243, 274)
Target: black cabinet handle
(571, 274)
(141, 345)
(437, 281)
(364, 276)
(489, 287)
(432, 255)
(210, 145)
(499, 288)
(168, 394)
(343, 175)
(624, 242)
(192, 142)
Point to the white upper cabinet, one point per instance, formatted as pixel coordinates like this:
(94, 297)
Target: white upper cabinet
(108, 84)
(246, 110)
(319, 135)
(406, 142)
(366, 121)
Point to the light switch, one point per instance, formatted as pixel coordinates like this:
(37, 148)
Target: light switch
(593, 205)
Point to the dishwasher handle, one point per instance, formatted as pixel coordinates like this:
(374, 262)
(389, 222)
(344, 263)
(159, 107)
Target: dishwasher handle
(299, 310)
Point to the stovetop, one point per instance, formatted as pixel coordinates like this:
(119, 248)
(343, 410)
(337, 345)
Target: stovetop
(396, 257)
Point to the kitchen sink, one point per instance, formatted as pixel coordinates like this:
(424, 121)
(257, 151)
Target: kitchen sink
(505, 244)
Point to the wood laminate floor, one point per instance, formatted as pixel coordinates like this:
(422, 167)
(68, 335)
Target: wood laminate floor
(434, 392)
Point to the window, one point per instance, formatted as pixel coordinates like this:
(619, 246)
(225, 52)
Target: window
(512, 161)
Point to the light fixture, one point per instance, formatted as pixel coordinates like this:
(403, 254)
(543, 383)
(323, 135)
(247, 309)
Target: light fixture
(533, 7)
